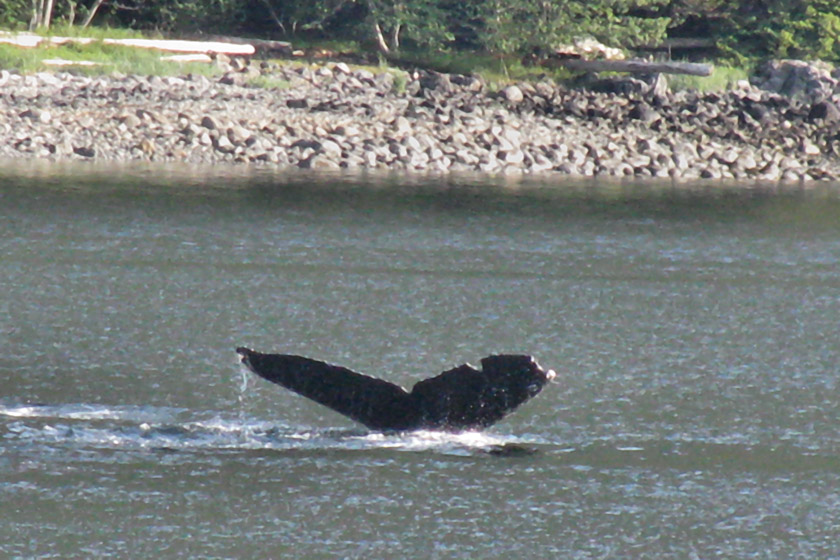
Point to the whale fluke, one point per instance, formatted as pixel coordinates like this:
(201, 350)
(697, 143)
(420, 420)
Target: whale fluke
(463, 398)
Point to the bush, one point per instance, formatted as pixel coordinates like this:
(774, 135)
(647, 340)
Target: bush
(782, 29)
(524, 24)
(14, 14)
(744, 30)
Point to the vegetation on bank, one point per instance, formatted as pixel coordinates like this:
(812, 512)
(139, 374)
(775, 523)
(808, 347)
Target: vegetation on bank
(738, 29)
(495, 70)
(493, 38)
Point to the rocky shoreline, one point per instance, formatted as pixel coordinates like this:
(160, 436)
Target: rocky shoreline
(334, 117)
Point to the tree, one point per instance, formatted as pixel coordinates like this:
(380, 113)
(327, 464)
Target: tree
(92, 12)
(41, 14)
(519, 25)
(14, 12)
(783, 28)
(422, 21)
(294, 16)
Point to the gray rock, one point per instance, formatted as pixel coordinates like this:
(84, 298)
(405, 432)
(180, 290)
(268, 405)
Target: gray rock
(643, 112)
(304, 144)
(825, 111)
(297, 103)
(36, 114)
(224, 145)
(238, 134)
(232, 77)
(209, 122)
(331, 149)
(341, 68)
(513, 157)
(318, 161)
(512, 94)
(85, 151)
(402, 126)
(807, 147)
(351, 118)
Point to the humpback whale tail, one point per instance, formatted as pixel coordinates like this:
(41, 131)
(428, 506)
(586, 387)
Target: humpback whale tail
(463, 398)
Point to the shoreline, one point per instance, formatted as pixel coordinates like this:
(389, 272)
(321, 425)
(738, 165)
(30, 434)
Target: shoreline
(335, 117)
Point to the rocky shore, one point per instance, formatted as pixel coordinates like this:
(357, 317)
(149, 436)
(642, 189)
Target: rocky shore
(334, 117)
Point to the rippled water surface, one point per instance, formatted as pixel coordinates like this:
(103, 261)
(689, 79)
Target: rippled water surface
(694, 331)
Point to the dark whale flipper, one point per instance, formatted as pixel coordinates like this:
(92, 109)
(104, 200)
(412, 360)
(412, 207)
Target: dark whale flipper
(375, 403)
(463, 398)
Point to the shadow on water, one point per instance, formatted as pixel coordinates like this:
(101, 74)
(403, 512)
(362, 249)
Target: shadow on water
(262, 190)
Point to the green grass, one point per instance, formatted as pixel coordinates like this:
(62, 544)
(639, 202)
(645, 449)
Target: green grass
(22, 60)
(722, 78)
(268, 82)
(496, 70)
(400, 82)
(64, 30)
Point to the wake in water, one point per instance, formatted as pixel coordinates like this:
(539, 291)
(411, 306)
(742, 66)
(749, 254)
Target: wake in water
(92, 427)
(85, 428)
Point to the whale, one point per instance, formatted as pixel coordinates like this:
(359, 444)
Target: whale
(460, 399)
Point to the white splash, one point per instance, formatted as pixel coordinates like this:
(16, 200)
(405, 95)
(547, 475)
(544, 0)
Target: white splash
(138, 428)
(88, 412)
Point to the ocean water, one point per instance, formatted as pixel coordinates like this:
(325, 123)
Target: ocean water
(693, 329)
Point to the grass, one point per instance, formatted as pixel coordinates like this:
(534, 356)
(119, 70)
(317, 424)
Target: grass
(64, 30)
(722, 78)
(400, 82)
(500, 70)
(268, 82)
(22, 60)
(496, 70)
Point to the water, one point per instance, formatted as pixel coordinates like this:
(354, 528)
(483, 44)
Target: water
(693, 329)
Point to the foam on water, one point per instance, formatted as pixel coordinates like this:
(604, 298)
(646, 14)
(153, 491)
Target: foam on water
(88, 412)
(90, 426)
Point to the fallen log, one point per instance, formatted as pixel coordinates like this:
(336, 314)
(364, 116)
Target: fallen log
(263, 46)
(190, 57)
(65, 62)
(185, 46)
(635, 66)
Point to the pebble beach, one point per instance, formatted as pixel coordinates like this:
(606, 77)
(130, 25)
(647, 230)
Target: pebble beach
(334, 116)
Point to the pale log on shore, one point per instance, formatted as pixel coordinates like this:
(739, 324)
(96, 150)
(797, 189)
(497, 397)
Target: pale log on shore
(262, 45)
(65, 62)
(30, 40)
(189, 57)
(184, 46)
(635, 66)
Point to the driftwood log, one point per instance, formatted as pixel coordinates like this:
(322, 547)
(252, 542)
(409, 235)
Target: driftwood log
(263, 46)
